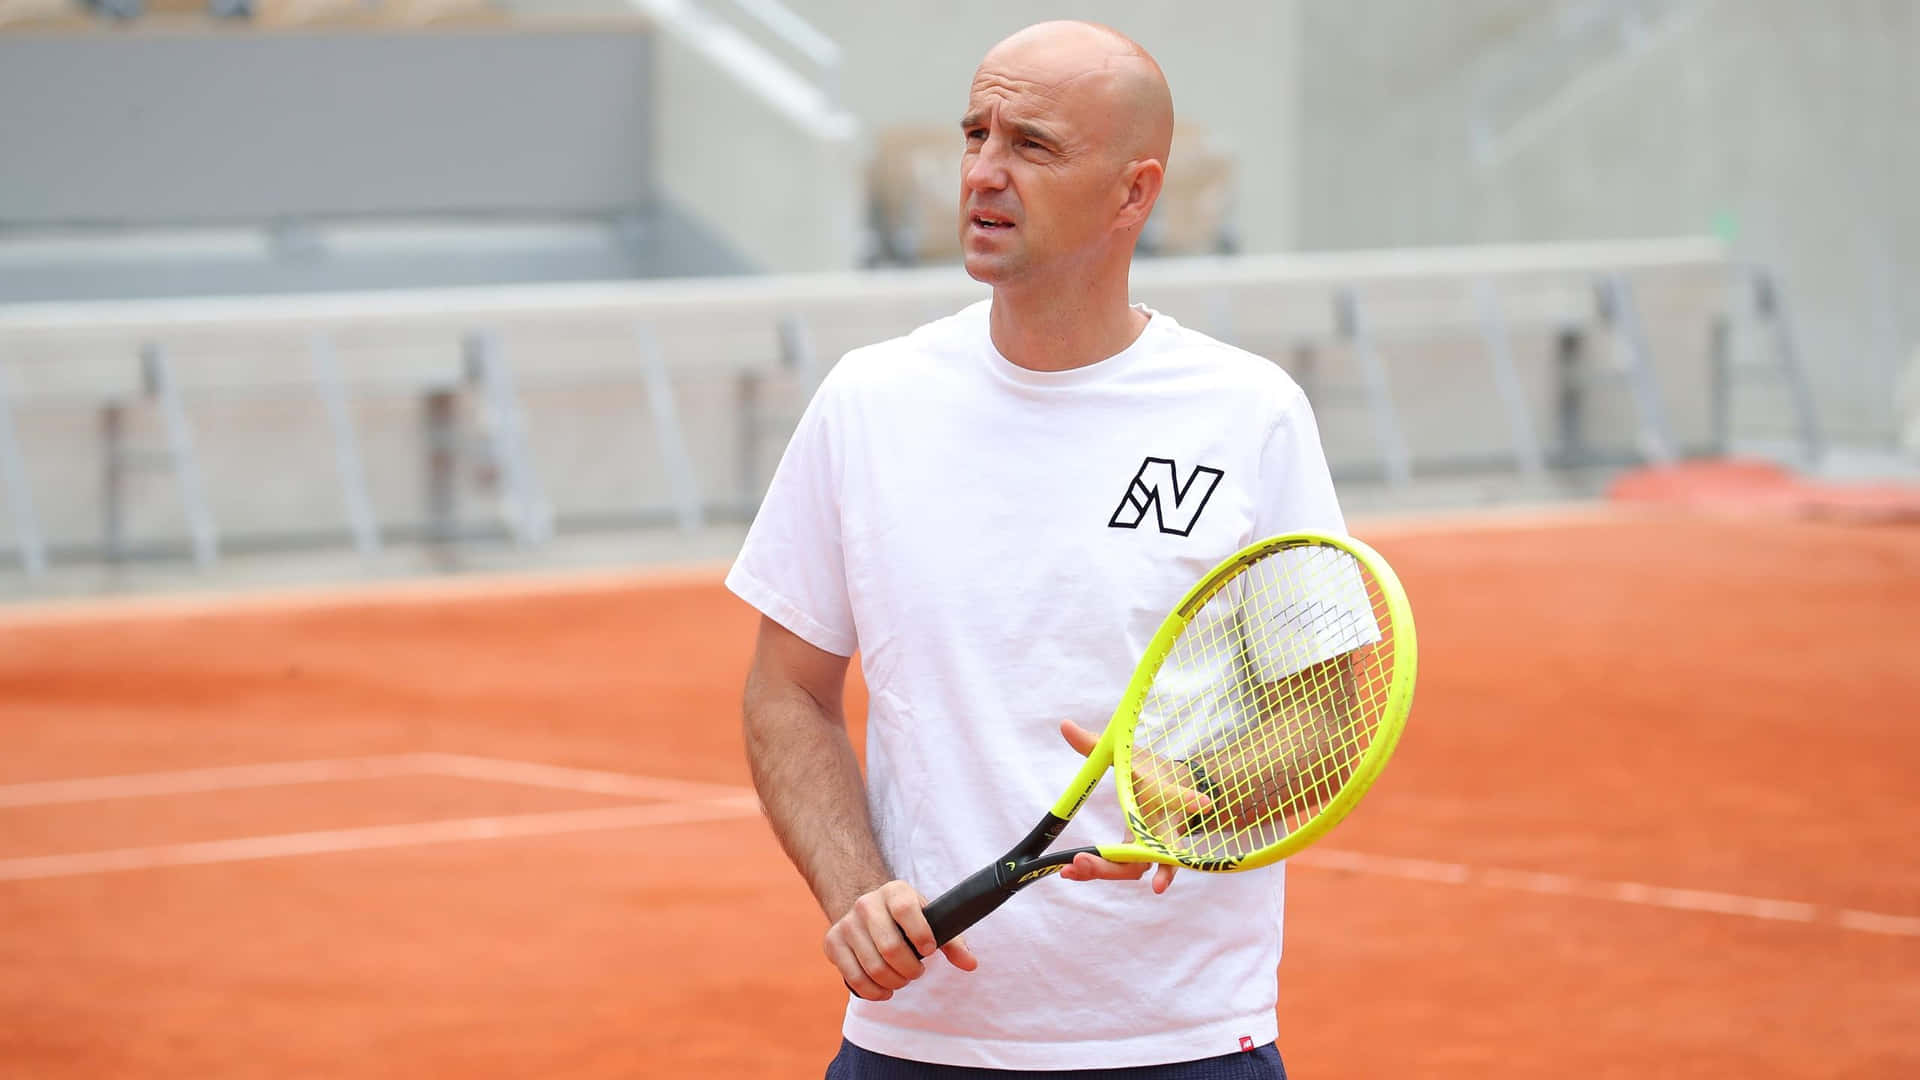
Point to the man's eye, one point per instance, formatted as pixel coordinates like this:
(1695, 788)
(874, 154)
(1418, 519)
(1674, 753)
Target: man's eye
(976, 135)
(1024, 143)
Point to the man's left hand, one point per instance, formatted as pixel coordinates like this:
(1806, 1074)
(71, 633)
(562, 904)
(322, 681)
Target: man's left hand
(1090, 867)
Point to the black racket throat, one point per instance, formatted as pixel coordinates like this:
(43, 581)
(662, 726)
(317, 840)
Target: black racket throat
(975, 898)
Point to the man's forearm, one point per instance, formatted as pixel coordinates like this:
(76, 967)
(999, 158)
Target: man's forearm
(810, 785)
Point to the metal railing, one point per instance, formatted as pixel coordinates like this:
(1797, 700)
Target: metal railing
(802, 37)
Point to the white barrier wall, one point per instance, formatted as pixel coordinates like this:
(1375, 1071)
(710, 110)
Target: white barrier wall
(579, 361)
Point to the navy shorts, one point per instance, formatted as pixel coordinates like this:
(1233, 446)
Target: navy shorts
(1260, 1063)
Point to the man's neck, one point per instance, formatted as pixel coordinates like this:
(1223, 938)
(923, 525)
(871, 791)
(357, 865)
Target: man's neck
(1060, 329)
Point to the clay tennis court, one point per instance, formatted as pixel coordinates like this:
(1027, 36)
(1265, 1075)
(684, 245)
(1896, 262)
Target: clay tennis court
(1654, 815)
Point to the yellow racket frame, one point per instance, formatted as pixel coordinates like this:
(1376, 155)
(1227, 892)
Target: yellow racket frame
(1115, 747)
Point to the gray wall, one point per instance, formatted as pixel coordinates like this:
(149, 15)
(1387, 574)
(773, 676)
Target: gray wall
(1233, 67)
(1788, 125)
(623, 147)
(233, 127)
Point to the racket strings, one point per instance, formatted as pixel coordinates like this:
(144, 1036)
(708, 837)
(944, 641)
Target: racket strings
(1317, 744)
(1310, 737)
(1266, 703)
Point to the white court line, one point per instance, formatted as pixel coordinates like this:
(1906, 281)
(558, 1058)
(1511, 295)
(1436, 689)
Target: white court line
(331, 596)
(713, 802)
(464, 766)
(374, 838)
(188, 781)
(1625, 892)
(568, 779)
(1878, 924)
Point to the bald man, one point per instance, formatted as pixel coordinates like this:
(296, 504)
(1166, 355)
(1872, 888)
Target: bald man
(995, 511)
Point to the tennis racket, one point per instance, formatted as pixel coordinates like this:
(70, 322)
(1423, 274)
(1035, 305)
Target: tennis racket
(1265, 705)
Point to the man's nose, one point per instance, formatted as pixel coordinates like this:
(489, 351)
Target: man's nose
(985, 170)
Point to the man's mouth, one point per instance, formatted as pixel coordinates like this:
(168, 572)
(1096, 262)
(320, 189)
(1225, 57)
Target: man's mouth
(991, 221)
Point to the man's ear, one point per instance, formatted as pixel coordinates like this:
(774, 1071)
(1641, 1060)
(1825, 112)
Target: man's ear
(1143, 179)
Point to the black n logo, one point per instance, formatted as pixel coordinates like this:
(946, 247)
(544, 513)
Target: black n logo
(1157, 487)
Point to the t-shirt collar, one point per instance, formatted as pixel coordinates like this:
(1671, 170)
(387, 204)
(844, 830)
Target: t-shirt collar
(1086, 374)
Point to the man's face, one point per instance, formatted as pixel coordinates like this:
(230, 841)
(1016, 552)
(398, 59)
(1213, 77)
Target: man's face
(1038, 189)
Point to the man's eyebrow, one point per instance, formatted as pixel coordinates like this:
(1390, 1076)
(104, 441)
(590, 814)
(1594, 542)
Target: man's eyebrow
(1026, 128)
(1033, 131)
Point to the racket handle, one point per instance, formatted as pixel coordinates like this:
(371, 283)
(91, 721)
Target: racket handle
(966, 903)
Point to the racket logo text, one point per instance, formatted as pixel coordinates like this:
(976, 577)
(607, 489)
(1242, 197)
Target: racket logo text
(1154, 844)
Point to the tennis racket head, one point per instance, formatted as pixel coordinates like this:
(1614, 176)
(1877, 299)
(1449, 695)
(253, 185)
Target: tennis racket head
(1275, 690)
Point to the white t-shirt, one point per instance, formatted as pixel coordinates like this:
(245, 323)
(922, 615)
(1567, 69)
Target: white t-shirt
(999, 544)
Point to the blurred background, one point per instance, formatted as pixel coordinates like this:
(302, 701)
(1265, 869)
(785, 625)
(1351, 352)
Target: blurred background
(299, 288)
(395, 297)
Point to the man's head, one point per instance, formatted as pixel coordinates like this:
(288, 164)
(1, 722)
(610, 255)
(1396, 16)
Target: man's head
(1067, 131)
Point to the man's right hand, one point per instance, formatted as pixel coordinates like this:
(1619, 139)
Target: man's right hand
(879, 942)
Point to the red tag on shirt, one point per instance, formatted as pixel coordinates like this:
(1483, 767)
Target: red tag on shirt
(1246, 1043)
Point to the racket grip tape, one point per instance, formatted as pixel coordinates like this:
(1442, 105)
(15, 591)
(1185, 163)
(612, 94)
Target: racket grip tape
(967, 903)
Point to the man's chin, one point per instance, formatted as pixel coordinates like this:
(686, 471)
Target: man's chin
(988, 269)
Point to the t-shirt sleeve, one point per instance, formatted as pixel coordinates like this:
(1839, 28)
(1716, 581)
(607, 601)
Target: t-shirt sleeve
(1296, 488)
(791, 566)
(1322, 607)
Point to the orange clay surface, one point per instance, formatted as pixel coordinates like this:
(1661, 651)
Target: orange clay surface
(1724, 712)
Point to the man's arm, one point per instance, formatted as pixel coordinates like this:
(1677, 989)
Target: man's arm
(810, 786)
